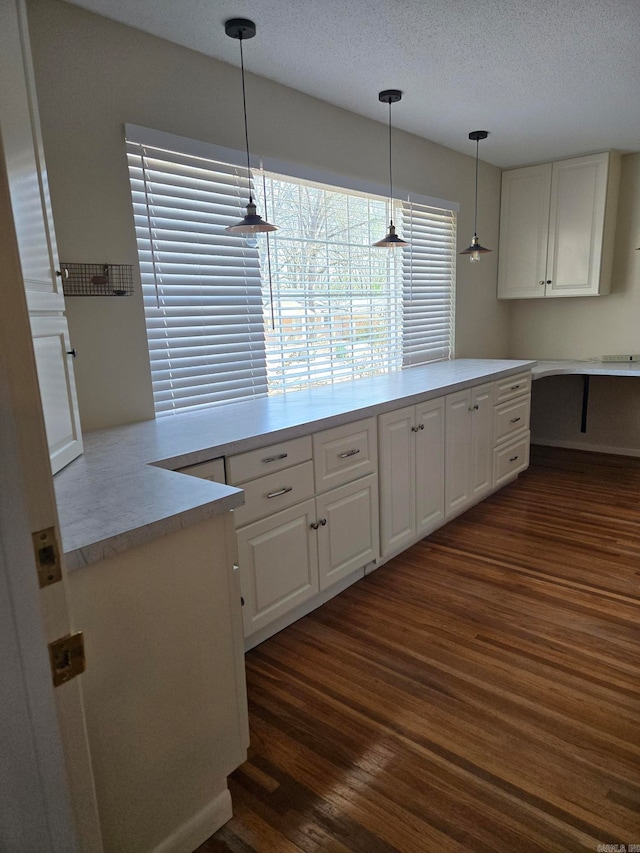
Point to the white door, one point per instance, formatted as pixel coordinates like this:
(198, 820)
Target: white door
(457, 452)
(481, 438)
(54, 363)
(397, 467)
(278, 564)
(578, 199)
(31, 211)
(429, 471)
(52, 802)
(347, 519)
(524, 230)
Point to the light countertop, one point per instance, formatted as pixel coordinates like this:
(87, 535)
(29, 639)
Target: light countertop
(585, 368)
(119, 493)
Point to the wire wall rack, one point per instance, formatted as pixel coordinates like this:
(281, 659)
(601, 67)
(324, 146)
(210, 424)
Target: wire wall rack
(97, 279)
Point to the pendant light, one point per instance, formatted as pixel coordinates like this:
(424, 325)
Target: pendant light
(475, 249)
(390, 96)
(251, 223)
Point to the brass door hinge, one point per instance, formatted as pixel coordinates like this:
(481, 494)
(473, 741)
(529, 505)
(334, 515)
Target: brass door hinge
(67, 658)
(47, 553)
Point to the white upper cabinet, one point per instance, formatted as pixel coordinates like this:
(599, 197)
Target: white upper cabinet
(31, 208)
(557, 224)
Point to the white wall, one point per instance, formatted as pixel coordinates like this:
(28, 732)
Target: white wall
(93, 75)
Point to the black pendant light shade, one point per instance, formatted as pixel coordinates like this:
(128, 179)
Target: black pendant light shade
(475, 249)
(391, 240)
(251, 223)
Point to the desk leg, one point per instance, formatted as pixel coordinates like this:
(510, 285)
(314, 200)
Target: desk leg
(585, 402)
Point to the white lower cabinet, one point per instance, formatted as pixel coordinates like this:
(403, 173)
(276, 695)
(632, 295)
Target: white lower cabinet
(287, 558)
(469, 447)
(278, 560)
(312, 519)
(348, 529)
(411, 446)
(306, 526)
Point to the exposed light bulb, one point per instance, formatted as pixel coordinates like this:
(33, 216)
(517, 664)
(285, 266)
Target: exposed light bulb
(474, 257)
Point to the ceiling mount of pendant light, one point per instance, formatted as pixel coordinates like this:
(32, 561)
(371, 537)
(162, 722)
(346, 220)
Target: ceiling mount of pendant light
(475, 249)
(390, 96)
(251, 223)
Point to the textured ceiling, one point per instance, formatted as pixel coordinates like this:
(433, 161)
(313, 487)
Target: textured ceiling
(547, 78)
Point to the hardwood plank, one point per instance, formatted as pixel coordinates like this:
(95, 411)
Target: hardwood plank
(479, 692)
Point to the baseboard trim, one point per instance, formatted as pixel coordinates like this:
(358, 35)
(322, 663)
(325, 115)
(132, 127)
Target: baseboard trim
(201, 826)
(301, 610)
(591, 448)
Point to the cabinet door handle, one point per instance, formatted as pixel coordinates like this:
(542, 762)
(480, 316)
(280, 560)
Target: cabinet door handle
(420, 426)
(348, 453)
(323, 521)
(541, 282)
(72, 352)
(280, 492)
(513, 459)
(474, 408)
(515, 420)
(275, 458)
(314, 525)
(414, 429)
(548, 281)
(64, 273)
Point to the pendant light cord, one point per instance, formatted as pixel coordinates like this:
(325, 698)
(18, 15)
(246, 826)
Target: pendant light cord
(244, 109)
(475, 215)
(390, 172)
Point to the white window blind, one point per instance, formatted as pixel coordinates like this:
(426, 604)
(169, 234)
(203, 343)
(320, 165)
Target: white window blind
(336, 306)
(232, 317)
(201, 287)
(428, 307)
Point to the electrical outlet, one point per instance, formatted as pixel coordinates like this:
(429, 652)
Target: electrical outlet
(621, 357)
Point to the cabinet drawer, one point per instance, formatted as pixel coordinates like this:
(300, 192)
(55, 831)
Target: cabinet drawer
(274, 492)
(257, 463)
(510, 417)
(211, 470)
(345, 453)
(513, 386)
(510, 460)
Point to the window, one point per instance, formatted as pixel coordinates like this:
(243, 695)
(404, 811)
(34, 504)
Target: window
(230, 318)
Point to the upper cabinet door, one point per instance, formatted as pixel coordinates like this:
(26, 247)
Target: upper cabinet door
(54, 363)
(524, 229)
(26, 170)
(576, 226)
(31, 210)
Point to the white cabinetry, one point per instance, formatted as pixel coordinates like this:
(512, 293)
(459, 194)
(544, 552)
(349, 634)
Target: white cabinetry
(557, 223)
(31, 208)
(511, 436)
(411, 473)
(164, 691)
(307, 525)
(468, 448)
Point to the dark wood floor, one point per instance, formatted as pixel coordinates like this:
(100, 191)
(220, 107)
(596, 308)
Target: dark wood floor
(481, 692)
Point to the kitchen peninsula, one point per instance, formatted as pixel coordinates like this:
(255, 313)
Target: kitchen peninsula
(150, 554)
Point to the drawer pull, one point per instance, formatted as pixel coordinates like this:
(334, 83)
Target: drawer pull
(514, 387)
(348, 453)
(275, 458)
(280, 492)
(515, 420)
(513, 458)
